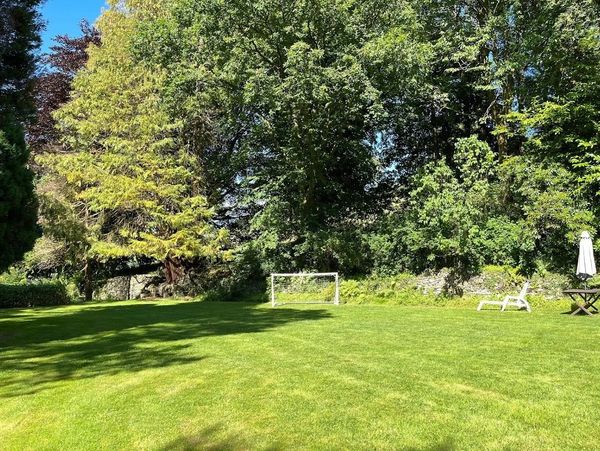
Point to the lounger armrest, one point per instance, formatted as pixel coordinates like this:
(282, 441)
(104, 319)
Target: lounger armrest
(516, 298)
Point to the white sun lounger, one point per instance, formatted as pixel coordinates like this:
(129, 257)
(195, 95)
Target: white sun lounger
(519, 301)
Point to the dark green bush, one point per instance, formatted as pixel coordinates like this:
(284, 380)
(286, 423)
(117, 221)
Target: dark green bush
(24, 296)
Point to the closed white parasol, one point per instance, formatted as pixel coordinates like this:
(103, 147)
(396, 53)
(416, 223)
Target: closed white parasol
(586, 266)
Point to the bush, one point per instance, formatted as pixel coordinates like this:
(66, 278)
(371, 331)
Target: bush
(440, 224)
(503, 242)
(16, 275)
(25, 296)
(498, 279)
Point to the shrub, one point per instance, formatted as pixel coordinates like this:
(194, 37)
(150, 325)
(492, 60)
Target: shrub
(500, 279)
(440, 224)
(16, 275)
(503, 241)
(25, 296)
(400, 289)
(545, 201)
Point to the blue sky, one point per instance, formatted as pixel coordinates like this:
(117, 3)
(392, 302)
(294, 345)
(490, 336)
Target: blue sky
(63, 17)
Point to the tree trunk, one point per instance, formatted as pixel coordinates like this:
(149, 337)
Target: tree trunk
(88, 280)
(173, 270)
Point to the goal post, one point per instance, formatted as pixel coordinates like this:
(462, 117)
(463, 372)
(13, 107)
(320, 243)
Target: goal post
(334, 278)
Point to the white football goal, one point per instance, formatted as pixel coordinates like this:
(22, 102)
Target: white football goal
(305, 288)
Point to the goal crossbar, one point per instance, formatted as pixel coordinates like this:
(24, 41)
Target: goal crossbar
(336, 299)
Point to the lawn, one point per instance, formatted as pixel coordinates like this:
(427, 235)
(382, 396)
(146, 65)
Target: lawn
(200, 375)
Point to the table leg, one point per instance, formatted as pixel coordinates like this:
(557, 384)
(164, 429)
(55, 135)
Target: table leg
(593, 300)
(582, 307)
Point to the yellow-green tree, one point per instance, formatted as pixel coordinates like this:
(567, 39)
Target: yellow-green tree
(128, 188)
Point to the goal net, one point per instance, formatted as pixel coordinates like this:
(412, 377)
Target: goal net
(305, 288)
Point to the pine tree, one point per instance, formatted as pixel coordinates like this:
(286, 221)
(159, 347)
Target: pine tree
(19, 38)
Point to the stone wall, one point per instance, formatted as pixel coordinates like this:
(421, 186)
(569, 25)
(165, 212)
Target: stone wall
(493, 280)
(142, 286)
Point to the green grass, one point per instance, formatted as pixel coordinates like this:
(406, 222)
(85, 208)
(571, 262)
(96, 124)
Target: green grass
(176, 375)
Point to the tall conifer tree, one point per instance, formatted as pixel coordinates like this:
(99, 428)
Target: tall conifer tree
(19, 38)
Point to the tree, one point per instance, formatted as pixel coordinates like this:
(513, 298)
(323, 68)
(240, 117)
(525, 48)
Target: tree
(497, 58)
(58, 250)
(519, 212)
(447, 210)
(125, 189)
(53, 86)
(545, 200)
(562, 123)
(282, 105)
(438, 132)
(18, 208)
(19, 38)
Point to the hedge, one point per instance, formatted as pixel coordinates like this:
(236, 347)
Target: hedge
(39, 295)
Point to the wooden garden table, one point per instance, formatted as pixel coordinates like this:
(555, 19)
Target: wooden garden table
(585, 299)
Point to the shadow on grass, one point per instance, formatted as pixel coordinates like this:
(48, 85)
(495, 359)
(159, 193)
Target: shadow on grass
(445, 445)
(41, 348)
(214, 439)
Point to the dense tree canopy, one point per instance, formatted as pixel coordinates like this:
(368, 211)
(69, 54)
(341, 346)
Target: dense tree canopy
(332, 134)
(19, 39)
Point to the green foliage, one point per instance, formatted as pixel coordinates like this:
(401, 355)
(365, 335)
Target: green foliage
(19, 39)
(319, 169)
(285, 121)
(544, 199)
(503, 242)
(400, 289)
(18, 207)
(370, 136)
(325, 249)
(127, 188)
(501, 279)
(38, 295)
(20, 30)
(447, 208)
(520, 213)
(16, 275)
